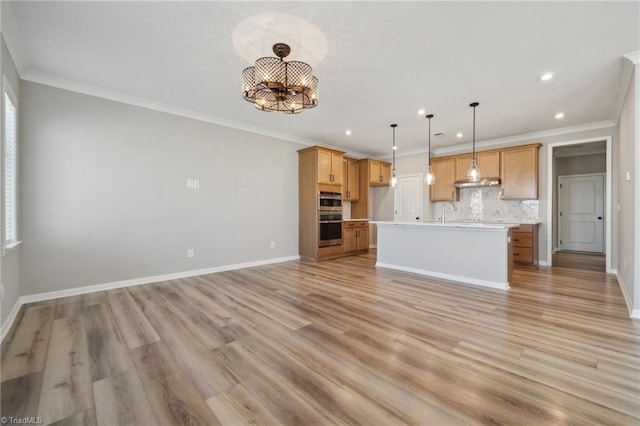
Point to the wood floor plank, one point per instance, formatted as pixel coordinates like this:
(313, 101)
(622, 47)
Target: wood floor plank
(66, 384)
(173, 398)
(334, 342)
(132, 323)
(108, 351)
(237, 406)
(82, 418)
(20, 396)
(121, 400)
(27, 351)
(206, 372)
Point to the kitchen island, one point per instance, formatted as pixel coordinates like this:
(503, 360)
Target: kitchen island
(471, 253)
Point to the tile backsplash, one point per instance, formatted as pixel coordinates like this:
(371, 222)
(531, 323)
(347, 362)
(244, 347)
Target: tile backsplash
(484, 204)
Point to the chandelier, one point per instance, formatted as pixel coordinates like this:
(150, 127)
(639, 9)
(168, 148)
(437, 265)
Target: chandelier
(276, 85)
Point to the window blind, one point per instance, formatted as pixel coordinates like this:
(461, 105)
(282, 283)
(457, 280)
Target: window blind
(10, 166)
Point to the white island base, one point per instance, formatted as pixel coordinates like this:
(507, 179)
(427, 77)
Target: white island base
(471, 253)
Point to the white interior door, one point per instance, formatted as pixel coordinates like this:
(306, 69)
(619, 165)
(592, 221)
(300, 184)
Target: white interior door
(581, 214)
(407, 199)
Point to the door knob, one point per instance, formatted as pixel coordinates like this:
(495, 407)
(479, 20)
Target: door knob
(599, 217)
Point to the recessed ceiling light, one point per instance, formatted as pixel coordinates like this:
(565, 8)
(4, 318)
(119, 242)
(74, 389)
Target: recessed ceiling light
(421, 111)
(395, 148)
(347, 132)
(546, 76)
(459, 135)
(559, 115)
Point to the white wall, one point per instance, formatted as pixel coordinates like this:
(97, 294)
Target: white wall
(416, 163)
(105, 196)
(625, 204)
(10, 262)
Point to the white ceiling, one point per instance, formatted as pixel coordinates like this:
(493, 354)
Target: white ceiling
(384, 61)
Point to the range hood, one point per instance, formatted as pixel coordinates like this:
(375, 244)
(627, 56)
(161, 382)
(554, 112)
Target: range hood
(491, 181)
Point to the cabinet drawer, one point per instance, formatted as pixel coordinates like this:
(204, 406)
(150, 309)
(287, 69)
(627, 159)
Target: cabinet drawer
(356, 224)
(522, 254)
(523, 228)
(522, 239)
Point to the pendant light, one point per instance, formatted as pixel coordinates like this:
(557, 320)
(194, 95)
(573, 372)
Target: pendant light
(394, 179)
(474, 172)
(430, 178)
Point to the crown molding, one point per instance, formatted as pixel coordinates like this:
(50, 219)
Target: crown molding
(629, 62)
(499, 142)
(99, 92)
(634, 57)
(12, 38)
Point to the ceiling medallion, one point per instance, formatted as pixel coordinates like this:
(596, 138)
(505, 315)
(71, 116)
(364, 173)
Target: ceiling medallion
(274, 84)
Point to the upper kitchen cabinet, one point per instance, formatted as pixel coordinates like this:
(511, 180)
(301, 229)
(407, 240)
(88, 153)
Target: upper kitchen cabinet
(329, 166)
(379, 173)
(519, 172)
(351, 180)
(488, 163)
(444, 170)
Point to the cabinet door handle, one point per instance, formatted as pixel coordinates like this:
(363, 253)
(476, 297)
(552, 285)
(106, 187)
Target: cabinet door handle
(515, 239)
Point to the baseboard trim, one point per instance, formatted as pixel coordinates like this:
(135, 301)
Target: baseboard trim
(448, 277)
(11, 318)
(633, 313)
(39, 297)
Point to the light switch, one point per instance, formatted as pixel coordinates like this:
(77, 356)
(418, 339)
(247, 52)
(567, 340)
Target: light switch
(628, 176)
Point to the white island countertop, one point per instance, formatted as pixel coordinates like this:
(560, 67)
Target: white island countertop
(477, 253)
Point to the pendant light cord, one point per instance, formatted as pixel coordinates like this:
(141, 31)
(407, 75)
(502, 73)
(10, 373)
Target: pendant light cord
(474, 133)
(429, 116)
(393, 150)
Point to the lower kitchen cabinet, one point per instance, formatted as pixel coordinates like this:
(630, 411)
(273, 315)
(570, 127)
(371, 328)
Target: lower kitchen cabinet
(355, 236)
(525, 244)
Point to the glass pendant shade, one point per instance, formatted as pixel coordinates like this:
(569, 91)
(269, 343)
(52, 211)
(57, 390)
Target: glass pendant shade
(473, 175)
(430, 178)
(394, 180)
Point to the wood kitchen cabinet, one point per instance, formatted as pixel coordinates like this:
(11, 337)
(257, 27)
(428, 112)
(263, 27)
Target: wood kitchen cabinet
(525, 244)
(319, 169)
(330, 166)
(351, 179)
(379, 173)
(444, 170)
(519, 172)
(488, 163)
(355, 236)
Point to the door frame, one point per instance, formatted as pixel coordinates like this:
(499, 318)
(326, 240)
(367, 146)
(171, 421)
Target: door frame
(608, 191)
(606, 219)
(421, 178)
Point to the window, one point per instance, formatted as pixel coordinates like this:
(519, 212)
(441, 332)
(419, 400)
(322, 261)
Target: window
(10, 126)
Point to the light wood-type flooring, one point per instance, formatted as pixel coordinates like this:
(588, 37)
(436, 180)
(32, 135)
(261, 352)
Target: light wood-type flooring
(336, 342)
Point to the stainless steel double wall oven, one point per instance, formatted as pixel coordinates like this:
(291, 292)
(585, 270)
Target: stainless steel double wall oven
(329, 219)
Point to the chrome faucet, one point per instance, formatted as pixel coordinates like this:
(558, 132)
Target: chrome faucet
(448, 203)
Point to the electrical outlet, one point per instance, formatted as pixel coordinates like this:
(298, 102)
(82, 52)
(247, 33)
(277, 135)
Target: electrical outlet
(193, 183)
(273, 244)
(191, 253)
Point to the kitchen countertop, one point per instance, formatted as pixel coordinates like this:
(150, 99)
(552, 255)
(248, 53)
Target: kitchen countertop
(454, 224)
